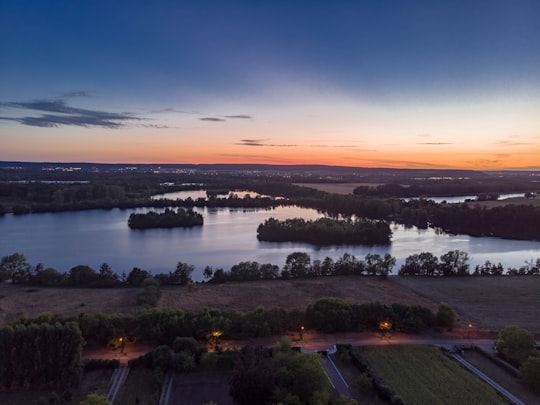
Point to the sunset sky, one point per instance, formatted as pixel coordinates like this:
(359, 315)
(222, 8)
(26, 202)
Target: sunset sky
(414, 84)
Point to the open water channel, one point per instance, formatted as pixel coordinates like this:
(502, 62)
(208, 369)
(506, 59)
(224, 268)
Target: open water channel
(228, 236)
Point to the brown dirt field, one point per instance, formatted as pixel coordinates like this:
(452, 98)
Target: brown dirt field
(336, 188)
(486, 302)
(33, 301)
(289, 293)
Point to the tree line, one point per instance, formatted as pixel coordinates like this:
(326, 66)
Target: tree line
(168, 219)
(16, 268)
(325, 231)
(162, 326)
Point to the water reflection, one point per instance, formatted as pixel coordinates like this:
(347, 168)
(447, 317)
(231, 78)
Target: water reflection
(228, 237)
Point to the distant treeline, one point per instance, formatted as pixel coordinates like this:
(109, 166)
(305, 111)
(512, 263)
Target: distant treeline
(325, 231)
(168, 219)
(380, 203)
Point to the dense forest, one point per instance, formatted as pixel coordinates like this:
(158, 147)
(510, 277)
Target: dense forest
(325, 231)
(168, 219)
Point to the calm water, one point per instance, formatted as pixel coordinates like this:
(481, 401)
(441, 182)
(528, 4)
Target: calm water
(228, 237)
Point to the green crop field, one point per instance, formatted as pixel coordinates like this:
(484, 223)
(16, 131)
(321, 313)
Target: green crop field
(424, 375)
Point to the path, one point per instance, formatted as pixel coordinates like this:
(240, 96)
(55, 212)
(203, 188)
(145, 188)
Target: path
(117, 381)
(166, 389)
(335, 377)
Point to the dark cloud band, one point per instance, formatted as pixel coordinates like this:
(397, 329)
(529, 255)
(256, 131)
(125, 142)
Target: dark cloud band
(61, 114)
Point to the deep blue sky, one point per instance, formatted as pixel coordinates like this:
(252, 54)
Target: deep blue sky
(276, 81)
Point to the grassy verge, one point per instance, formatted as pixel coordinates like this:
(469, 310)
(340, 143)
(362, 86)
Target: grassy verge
(93, 382)
(500, 376)
(359, 383)
(424, 375)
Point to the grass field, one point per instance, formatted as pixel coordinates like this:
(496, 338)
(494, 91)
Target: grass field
(424, 375)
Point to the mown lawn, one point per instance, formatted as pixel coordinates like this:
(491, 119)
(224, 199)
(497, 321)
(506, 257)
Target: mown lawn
(424, 375)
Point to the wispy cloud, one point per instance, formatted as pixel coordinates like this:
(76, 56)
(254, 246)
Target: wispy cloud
(212, 119)
(509, 142)
(240, 116)
(174, 110)
(434, 143)
(266, 143)
(261, 142)
(79, 93)
(398, 163)
(59, 113)
(518, 140)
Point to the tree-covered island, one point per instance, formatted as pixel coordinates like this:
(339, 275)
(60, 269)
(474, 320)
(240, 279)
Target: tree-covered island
(325, 231)
(168, 219)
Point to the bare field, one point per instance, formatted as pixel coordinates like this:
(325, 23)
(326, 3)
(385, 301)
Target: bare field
(289, 293)
(70, 301)
(486, 302)
(336, 188)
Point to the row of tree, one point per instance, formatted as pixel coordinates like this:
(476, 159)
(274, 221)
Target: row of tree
(161, 326)
(168, 219)
(299, 265)
(15, 267)
(456, 263)
(325, 231)
(43, 355)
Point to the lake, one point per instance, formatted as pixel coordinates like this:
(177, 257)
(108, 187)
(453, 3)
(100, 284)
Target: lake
(228, 236)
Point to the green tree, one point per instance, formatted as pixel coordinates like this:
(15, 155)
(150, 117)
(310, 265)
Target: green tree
(330, 315)
(302, 376)
(136, 276)
(529, 373)
(161, 357)
(515, 343)
(182, 274)
(252, 379)
(298, 264)
(454, 263)
(445, 317)
(15, 268)
(82, 275)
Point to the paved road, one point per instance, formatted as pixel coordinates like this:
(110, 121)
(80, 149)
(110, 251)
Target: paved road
(117, 381)
(335, 377)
